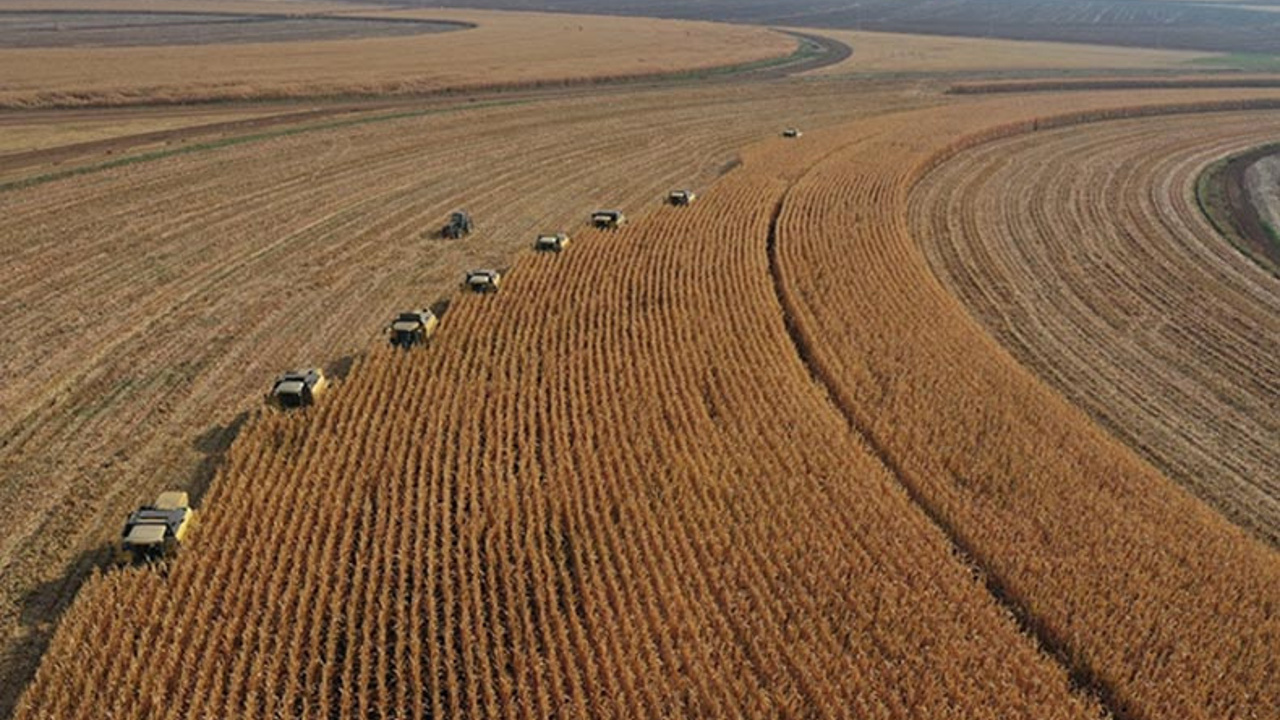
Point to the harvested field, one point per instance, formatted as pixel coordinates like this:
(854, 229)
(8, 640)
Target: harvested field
(734, 460)
(81, 29)
(1150, 597)
(1237, 194)
(1145, 24)
(900, 53)
(505, 49)
(1227, 80)
(183, 285)
(27, 133)
(1101, 274)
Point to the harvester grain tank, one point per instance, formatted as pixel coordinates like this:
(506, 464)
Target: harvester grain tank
(483, 281)
(298, 388)
(459, 225)
(682, 197)
(155, 531)
(552, 242)
(413, 328)
(608, 219)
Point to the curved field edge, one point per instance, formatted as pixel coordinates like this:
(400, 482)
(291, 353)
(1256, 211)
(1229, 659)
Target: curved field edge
(1224, 200)
(1227, 81)
(504, 51)
(812, 51)
(1083, 252)
(378, 206)
(1145, 590)
(610, 489)
(234, 140)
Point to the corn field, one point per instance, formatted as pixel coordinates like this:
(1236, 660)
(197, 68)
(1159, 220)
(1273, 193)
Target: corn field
(745, 459)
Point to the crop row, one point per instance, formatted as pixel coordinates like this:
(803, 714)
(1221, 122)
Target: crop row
(1153, 600)
(609, 490)
(1181, 333)
(147, 307)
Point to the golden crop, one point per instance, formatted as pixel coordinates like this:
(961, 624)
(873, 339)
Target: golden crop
(747, 458)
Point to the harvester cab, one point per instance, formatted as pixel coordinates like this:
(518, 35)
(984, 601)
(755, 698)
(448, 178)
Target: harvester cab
(552, 242)
(682, 197)
(155, 531)
(459, 225)
(608, 219)
(483, 281)
(298, 388)
(413, 328)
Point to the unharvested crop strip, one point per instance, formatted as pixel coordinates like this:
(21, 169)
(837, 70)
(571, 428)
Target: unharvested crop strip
(1082, 678)
(1036, 490)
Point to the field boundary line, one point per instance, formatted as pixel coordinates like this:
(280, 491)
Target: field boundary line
(1082, 675)
(811, 53)
(1082, 680)
(146, 157)
(997, 87)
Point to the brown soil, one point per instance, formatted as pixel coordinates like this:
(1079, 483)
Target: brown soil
(96, 28)
(1227, 200)
(1083, 251)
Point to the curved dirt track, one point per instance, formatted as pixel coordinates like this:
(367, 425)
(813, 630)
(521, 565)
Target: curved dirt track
(1084, 251)
(147, 307)
(616, 489)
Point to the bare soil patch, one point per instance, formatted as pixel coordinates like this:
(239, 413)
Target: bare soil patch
(1148, 24)
(1238, 194)
(96, 28)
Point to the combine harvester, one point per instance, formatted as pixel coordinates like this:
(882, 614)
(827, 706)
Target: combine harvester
(154, 532)
(483, 281)
(551, 242)
(681, 198)
(298, 388)
(608, 219)
(413, 328)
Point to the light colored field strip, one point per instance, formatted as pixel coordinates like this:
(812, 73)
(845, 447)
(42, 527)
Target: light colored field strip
(1083, 251)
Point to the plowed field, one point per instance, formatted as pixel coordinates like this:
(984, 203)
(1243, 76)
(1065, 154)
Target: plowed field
(749, 458)
(1084, 251)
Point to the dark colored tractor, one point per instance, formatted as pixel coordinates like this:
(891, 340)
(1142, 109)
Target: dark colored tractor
(459, 225)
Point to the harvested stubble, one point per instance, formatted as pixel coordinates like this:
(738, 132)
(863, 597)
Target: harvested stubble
(187, 283)
(610, 490)
(1084, 251)
(615, 489)
(503, 50)
(1166, 608)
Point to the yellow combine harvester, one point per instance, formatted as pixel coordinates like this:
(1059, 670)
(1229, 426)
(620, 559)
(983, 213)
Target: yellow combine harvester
(298, 388)
(682, 197)
(154, 532)
(483, 281)
(413, 328)
(552, 242)
(608, 219)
